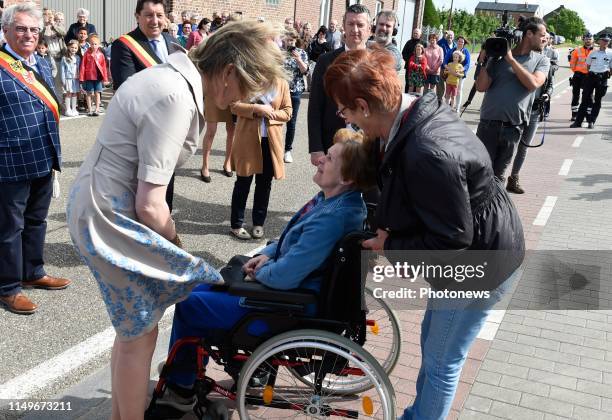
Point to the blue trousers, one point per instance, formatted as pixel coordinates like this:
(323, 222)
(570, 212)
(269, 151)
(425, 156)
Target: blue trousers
(23, 225)
(203, 311)
(446, 338)
(290, 135)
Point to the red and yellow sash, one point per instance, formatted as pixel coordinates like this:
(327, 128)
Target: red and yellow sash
(19, 72)
(145, 58)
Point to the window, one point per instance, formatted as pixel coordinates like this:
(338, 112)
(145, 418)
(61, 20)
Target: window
(272, 2)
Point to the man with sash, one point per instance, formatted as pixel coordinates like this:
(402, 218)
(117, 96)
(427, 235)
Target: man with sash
(144, 47)
(29, 152)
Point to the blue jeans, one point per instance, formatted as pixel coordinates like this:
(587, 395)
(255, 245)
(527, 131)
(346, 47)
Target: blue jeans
(290, 135)
(446, 337)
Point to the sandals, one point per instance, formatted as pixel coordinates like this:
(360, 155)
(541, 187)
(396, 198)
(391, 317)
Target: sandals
(241, 234)
(258, 232)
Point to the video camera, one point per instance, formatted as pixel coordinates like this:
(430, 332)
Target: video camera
(505, 38)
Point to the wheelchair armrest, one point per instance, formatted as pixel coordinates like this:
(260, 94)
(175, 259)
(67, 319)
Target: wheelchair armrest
(258, 291)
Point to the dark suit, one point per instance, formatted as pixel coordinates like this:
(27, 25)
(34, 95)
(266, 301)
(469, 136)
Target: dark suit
(322, 119)
(29, 150)
(124, 64)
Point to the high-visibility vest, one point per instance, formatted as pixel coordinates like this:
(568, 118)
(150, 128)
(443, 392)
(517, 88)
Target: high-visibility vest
(578, 60)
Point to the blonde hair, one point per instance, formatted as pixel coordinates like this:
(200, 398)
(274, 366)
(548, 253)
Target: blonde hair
(460, 54)
(249, 47)
(357, 165)
(91, 37)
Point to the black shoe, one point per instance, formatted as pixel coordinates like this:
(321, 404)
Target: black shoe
(204, 177)
(227, 173)
(576, 125)
(514, 186)
(591, 125)
(573, 116)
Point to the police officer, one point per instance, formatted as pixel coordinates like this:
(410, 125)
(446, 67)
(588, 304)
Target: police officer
(579, 68)
(599, 64)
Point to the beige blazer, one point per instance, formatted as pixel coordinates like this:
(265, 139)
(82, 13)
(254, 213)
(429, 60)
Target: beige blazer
(247, 158)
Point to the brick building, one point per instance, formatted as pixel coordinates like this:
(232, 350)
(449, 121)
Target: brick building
(115, 17)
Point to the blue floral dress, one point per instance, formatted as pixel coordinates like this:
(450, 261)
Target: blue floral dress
(152, 125)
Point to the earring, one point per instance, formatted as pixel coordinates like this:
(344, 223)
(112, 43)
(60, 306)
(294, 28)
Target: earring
(225, 84)
(365, 115)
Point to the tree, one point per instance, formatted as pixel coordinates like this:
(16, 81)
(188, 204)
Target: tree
(430, 15)
(568, 23)
(476, 28)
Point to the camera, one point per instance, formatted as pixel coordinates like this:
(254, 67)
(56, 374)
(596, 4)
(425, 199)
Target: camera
(505, 37)
(290, 49)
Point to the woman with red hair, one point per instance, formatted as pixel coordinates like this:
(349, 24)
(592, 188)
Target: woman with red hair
(438, 192)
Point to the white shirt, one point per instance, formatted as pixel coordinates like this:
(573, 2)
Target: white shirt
(600, 61)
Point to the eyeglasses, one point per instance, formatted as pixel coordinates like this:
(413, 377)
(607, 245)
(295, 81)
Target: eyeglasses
(21, 30)
(340, 112)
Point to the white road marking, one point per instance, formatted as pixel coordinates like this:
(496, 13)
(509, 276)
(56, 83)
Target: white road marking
(560, 83)
(578, 141)
(565, 168)
(496, 316)
(44, 374)
(474, 130)
(545, 211)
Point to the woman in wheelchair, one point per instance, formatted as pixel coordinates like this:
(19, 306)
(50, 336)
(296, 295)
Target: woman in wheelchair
(289, 263)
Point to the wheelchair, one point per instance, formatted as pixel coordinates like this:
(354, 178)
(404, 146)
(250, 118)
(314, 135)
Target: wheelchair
(303, 366)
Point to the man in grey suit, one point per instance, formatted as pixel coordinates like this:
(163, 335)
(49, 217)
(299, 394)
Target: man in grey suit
(322, 119)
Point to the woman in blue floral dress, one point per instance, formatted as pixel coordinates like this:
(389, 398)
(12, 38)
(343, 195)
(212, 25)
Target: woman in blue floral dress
(117, 214)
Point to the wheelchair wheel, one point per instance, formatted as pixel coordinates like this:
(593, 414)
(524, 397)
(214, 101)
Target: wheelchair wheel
(268, 388)
(383, 342)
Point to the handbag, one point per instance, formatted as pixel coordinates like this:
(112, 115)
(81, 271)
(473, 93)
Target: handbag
(232, 271)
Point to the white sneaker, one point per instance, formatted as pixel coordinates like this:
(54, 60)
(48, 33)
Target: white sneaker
(288, 158)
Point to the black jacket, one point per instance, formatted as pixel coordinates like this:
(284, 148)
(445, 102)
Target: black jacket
(438, 191)
(73, 31)
(315, 49)
(322, 119)
(124, 62)
(408, 49)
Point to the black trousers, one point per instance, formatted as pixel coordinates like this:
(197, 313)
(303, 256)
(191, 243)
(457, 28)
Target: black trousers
(589, 106)
(500, 139)
(23, 225)
(577, 83)
(263, 185)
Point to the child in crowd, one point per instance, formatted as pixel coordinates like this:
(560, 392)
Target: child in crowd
(42, 51)
(93, 74)
(69, 73)
(417, 67)
(454, 72)
(82, 37)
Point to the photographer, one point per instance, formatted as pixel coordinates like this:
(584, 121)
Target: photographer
(539, 111)
(510, 83)
(599, 64)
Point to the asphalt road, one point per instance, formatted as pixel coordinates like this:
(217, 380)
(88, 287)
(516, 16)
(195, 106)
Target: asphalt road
(70, 317)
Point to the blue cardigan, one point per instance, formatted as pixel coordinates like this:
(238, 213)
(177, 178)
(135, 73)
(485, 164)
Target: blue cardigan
(308, 242)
